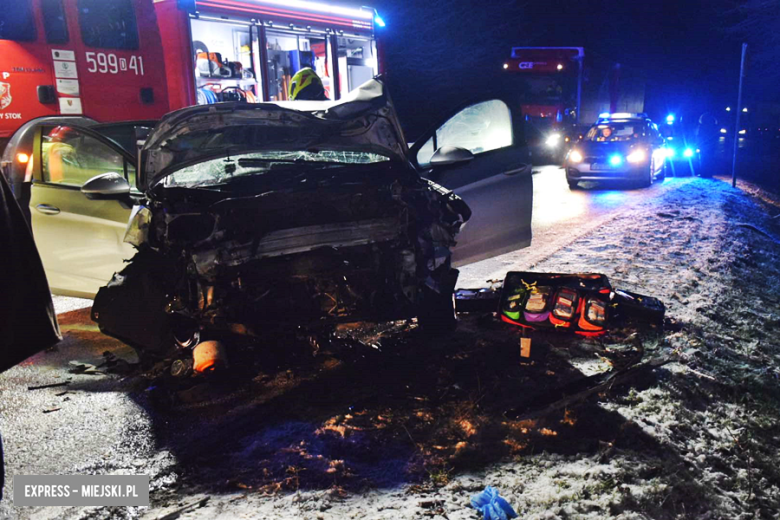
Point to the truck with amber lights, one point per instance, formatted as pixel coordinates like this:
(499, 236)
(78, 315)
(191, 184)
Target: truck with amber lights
(618, 147)
(562, 89)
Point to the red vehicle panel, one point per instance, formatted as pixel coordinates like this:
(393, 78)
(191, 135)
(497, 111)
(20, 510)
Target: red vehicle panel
(111, 71)
(135, 59)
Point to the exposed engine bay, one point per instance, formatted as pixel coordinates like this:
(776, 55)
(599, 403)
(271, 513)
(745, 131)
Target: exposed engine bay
(367, 248)
(250, 240)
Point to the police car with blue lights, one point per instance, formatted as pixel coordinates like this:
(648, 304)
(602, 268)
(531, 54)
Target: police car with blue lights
(619, 147)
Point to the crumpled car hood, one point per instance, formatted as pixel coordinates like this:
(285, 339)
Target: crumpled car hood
(364, 120)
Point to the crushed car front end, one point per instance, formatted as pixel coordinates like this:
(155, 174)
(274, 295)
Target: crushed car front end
(268, 216)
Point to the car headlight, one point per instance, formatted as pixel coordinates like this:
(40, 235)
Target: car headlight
(553, 140)
(688, 152)
(637, 156)
(575, 156)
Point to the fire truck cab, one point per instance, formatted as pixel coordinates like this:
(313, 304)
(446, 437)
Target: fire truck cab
(95, 58)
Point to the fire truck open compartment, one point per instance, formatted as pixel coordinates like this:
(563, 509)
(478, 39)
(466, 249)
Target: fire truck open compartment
(139, 59)
(251, 49)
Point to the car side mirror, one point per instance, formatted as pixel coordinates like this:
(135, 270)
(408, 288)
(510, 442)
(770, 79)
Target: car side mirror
(109, 185)
(450, 155)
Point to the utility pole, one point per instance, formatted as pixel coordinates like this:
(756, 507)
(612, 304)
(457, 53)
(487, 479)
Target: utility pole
(580, 59)
(739, 112)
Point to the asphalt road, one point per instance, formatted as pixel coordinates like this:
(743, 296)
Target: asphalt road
(104, 423)
(561, 215)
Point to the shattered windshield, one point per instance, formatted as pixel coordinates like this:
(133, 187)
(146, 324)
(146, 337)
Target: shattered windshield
(224, 169)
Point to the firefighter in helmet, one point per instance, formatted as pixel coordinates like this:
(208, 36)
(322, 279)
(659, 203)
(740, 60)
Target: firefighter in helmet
(307, 85)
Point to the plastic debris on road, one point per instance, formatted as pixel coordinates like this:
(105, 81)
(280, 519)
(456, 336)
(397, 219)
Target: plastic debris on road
(492, 506)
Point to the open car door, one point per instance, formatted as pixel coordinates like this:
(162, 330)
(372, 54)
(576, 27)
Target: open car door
(496, 183)
(79, 235)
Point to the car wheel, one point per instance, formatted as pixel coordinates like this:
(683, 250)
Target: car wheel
(437, 310)
(662, 175)
(573, 185)
(647, 179)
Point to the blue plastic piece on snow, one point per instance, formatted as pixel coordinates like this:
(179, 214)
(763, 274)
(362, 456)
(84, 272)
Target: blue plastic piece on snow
(492, 506)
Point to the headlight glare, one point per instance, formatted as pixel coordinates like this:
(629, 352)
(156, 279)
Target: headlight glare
(575, 156)
(637, 156)
(553, 140)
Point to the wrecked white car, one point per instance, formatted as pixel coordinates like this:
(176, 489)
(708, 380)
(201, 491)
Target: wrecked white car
(308, 214)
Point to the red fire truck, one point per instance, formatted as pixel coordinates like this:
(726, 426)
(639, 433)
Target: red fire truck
(87, 57)
(250, 49)
(113, 60)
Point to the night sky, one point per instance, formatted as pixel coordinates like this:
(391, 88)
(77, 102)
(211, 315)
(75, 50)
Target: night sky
(446, 51)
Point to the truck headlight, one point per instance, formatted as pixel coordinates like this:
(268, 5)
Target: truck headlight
(637, 156)
(575, 156)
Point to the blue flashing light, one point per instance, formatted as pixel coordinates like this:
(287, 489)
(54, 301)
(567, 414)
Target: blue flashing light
(670, 119)
(671, 152)
(615, 160)
(604, 115)
(378, 21)
(688, 152)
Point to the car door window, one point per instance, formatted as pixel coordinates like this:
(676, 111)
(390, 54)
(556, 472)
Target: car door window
(70, 157)
(479, 128)
(656, 136)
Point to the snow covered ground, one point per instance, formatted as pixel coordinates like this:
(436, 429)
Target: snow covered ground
(415, 432)
(700, 441)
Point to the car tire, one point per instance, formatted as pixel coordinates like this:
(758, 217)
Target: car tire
(662, 175)
(437, 309)
(573, 185)
(647, 179)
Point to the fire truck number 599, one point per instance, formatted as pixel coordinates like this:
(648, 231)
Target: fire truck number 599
(109, 63)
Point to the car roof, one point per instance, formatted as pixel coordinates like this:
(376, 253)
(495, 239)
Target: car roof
(623, 120)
